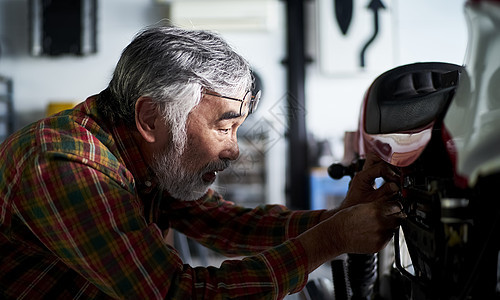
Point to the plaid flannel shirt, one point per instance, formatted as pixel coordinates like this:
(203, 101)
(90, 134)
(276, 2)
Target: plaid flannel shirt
(81, 218)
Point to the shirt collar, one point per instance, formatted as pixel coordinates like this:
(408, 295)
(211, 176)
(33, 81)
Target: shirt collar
(144, 177)
(130, 153)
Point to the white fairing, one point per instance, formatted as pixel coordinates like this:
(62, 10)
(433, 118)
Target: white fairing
(473, 118)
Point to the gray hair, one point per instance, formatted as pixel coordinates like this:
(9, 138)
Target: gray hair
(172, 66)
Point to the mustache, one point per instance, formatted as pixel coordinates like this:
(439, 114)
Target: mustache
(217, 165)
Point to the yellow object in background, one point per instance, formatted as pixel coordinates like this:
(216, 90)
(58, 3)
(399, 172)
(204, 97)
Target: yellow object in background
(55, 107)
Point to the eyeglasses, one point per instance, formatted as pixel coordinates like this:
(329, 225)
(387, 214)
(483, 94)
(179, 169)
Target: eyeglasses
(252, 101)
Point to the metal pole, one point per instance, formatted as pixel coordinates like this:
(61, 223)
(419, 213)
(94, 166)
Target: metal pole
(298, 169)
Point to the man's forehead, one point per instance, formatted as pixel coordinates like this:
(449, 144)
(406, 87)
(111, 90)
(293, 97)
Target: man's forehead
(219, 108)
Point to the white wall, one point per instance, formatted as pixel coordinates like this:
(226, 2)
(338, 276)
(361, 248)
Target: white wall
(38, 80)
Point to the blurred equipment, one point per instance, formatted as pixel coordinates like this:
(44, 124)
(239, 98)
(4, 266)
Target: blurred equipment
(57, 106)
(60, 27)
(6, 108)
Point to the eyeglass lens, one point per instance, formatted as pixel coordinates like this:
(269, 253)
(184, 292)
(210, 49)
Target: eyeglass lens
(254, 102)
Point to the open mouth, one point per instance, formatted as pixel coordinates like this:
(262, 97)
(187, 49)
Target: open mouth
(210, 176)
(213, 168)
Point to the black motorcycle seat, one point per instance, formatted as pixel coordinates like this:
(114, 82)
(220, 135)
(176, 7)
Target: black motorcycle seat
(409, 96)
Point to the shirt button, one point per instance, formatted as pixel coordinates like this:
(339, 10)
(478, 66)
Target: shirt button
(147, 183)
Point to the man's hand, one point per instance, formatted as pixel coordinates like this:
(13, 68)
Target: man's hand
(367, 227)
(365, 221)
(362, 188)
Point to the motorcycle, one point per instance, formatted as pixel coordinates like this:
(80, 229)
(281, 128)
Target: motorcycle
(438, 124)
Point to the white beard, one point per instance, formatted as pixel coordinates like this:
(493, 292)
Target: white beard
(174, 178)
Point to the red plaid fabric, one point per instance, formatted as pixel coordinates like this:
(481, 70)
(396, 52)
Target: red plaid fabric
(81, 218)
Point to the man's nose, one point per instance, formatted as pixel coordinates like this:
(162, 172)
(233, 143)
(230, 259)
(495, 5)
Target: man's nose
(232, 151)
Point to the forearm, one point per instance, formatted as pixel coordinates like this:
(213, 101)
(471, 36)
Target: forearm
(321, 244)
(234, 230)
(155, 271)
(272, 274)
(326, 214)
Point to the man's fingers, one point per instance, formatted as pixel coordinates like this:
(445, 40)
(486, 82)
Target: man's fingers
(388, 190)
(371, 160)
(393, 212)
(392, 208)
(382, 170)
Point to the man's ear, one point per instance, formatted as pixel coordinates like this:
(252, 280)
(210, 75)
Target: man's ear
(146, 116)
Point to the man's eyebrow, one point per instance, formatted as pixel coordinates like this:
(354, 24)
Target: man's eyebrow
(229, 115)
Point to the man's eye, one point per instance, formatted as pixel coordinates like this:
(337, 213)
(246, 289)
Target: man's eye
(225, 130)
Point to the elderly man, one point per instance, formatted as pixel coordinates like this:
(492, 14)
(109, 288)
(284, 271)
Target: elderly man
(87, 196)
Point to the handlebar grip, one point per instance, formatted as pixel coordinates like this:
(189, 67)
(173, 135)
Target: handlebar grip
(338, 170)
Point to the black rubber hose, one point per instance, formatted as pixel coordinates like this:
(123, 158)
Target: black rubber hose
(362, 270)
(341, 286)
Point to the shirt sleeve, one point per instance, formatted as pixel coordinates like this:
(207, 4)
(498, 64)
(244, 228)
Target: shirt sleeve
(89, 218)
(234, 230)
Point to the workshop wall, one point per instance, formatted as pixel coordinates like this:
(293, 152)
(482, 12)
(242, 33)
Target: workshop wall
(38, 80)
